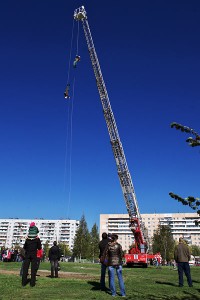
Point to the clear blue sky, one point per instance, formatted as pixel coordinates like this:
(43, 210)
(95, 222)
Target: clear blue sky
(149, 57)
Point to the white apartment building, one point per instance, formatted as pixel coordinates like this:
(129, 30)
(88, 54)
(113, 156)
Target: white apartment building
(15, 231)
(182, 224)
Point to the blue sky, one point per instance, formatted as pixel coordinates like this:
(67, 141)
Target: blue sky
(56, 163)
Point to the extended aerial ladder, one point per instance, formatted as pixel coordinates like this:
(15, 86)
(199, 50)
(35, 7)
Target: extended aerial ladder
(136, 224)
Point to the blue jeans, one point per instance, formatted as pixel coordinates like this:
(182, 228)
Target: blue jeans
(184, 267)
(111, 270)
(103, 275)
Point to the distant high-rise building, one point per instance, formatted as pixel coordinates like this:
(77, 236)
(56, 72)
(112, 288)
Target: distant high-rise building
(181, 224)
(15, 231)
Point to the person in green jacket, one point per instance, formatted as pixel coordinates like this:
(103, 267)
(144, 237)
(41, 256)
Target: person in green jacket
(182, 257)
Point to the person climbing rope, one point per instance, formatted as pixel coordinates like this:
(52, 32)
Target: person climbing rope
(66, 93)
(76, 60)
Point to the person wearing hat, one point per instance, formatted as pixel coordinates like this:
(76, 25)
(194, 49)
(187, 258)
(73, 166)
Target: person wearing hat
(31, 246)
(33, 231)
(182, 257)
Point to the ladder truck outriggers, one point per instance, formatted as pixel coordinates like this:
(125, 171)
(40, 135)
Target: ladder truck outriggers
(137, 254)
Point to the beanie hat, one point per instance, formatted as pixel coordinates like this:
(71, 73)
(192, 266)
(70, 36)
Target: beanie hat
(32, 224)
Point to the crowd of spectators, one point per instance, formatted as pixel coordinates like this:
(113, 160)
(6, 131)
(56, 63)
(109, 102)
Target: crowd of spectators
(12, 255)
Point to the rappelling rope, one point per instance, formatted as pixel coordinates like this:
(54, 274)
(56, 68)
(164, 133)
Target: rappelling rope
(68, 115)
(77, 40)
(68, 154)
(70, 54)
(70, 148)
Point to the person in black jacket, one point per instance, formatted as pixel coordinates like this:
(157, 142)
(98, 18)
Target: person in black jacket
(54, 257)
(102, 246)
(31, 246)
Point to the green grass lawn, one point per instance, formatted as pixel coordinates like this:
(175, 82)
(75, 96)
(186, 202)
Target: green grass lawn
(141, 284)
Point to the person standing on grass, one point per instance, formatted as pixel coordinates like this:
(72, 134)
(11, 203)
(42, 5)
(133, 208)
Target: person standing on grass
(31, 246)
(182, 257)
(54, 257)
(114, 254)
(102, 245)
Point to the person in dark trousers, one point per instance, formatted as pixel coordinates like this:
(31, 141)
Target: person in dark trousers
(31, 246)
(182, 257)
(102, 246)
(54, 257)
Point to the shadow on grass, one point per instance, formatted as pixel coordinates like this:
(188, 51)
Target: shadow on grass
(188, 296)
(96, 287)
(165, 283)
(195, 281)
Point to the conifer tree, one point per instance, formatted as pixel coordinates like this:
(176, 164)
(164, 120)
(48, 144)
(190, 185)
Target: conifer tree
(46, 249)
(94, 243)
(64, 249)
(82, 240)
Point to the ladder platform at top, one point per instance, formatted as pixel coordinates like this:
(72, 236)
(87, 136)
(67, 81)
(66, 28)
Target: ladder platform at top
(80, 13)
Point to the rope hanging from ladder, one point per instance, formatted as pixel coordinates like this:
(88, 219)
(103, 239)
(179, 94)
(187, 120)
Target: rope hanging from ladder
(66, 93)
(76, 60)
(68, 151)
